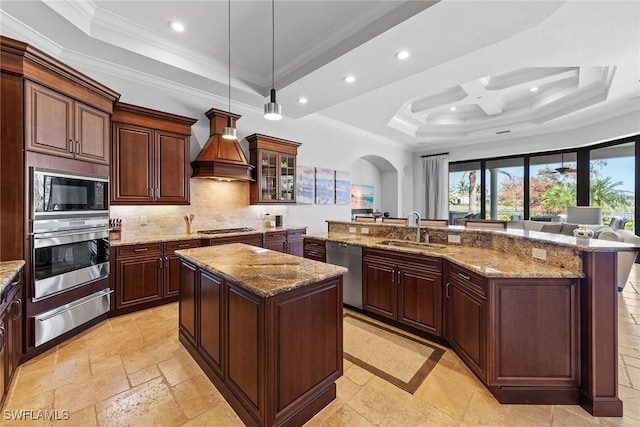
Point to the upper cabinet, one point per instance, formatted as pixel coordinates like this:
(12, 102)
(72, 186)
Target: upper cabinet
(274, 160)
(150, 157)
(59, 125)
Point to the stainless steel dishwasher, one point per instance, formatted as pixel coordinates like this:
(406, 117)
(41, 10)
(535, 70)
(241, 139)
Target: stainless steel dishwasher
(349, 256)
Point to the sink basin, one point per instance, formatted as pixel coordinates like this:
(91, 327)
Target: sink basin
(411, 245)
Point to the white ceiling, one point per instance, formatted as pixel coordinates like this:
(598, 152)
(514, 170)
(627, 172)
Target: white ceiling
(481, 57)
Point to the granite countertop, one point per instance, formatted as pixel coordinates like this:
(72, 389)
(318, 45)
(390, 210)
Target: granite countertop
(260, 271)
(8, 270)
(486, 262)
(140, 239)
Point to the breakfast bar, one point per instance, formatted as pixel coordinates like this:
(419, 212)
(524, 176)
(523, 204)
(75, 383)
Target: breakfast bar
(265, 327)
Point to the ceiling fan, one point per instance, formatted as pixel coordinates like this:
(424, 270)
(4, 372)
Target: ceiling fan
(562, 170)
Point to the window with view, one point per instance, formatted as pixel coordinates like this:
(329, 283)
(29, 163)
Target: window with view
(504, 191)
(552, 186)
(464, 191)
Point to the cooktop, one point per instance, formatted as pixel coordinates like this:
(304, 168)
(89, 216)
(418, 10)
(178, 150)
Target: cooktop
(226, 230)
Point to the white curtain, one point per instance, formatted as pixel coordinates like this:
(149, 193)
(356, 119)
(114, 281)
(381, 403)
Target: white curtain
(436, 198)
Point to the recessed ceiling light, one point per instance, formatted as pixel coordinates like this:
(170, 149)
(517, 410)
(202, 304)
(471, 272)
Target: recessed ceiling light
(403, 54)
(453, 108)
(349, 79)
(302, 100)
(533, 89)
(176, 26)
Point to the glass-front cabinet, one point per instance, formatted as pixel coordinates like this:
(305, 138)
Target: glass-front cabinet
(275, 167)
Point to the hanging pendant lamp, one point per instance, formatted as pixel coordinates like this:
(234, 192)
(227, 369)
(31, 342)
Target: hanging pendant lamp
(229, 132)
(273, 110)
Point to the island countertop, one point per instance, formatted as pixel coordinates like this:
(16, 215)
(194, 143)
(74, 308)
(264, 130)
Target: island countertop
(261, 271)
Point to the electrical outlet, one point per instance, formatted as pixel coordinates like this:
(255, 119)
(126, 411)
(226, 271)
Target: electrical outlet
(143, 220)
(364, 230)
(352, 229)
(453, 238)
(258, 215)
(540, 254)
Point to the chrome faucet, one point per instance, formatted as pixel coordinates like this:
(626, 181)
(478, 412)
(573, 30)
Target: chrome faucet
(417, 214)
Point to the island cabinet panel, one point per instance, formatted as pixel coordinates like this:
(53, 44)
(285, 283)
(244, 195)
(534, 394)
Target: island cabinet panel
(420, 299)
(535, 328)
(467, 313)
(187, 306)
(307, 327)
(244, 355)
(210, 320)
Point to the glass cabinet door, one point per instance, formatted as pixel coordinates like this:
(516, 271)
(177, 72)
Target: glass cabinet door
(269, 170)
(287, 177)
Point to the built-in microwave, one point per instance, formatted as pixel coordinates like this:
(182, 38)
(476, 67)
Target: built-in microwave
(58, 194)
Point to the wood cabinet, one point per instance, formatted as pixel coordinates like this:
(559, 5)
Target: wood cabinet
(150, 157)
(287, 241)
(404, 287)
(11, 326)
(147, 274)
(248, 239)
(315, 250)
(467, 318)
(59, 125)
(274, 359)
(274, 160)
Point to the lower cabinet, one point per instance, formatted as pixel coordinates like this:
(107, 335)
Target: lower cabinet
(11, 325)
(315, 250)
(274, 358)
(289, 241)
(147, 274)
(404, 287)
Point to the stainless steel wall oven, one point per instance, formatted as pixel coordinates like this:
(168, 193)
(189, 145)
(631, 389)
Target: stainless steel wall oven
(69, 249)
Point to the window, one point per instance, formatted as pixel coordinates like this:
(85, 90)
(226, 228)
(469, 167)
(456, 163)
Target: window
(612, 183)
(464, 190)
(552, 185)
(504, 189)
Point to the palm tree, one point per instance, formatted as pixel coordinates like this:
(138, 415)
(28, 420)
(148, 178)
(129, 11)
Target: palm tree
(605, 194)
(557, 198)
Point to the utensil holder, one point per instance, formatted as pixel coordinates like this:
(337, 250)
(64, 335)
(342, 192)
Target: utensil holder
(188, 228)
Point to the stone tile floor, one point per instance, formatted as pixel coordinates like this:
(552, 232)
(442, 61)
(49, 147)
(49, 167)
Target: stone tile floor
(132, 371)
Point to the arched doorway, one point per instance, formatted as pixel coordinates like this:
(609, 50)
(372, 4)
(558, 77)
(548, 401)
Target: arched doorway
(379, 173)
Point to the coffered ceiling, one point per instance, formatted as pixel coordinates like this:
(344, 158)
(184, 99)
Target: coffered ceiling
(476, 71)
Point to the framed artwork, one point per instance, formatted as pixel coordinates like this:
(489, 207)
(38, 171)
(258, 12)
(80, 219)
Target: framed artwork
(361, 196)
(325, 186)
(343, 186)
(304, 185)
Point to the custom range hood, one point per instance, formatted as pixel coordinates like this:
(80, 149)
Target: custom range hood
(221, 158)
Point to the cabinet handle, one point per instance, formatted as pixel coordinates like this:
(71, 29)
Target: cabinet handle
(141, 250)
(446, 290)
(15, 282)
(184, 245)
(159, 263)
(166, 262)
(464, 276)
(150, 192)
(399, 277)
(71, 145)
(393, 276)
(18, 302)
(77, 147)
(2, 332)
(156, 192)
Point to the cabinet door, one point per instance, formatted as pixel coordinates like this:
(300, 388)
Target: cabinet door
(92, 134)
(295, 244)
(276, 241)
(467, 327)
(172, 265)
(132, 165)
(287, 178)
(139, 280)
(48, 121)
(210, 304)
(268, 170)
(420, 300)
(14, 331)
(380, 288)
(172, 168)
(187, 304)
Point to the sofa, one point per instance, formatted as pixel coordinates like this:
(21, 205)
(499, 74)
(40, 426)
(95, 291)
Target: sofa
(625, 260)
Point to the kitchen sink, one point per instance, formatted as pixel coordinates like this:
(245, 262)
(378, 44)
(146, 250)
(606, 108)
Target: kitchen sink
(412, 245)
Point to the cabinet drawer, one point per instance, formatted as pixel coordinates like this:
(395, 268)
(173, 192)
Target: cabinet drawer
(169, 247)
(466, 278)
(275, 236)
(138, 250)
(294, 235)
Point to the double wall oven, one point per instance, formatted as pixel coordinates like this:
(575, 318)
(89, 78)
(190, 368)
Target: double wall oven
(69, 249)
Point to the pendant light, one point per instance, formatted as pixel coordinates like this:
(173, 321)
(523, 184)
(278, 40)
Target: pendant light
(229, 132)
(273, 110)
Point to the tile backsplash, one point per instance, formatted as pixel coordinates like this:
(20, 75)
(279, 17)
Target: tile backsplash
(215, 204)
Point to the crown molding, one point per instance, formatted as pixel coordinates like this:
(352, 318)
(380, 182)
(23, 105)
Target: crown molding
(11, 27)
(354, 130)
(79, 13)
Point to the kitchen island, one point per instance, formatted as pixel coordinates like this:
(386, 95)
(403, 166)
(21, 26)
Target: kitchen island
(265, 327)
